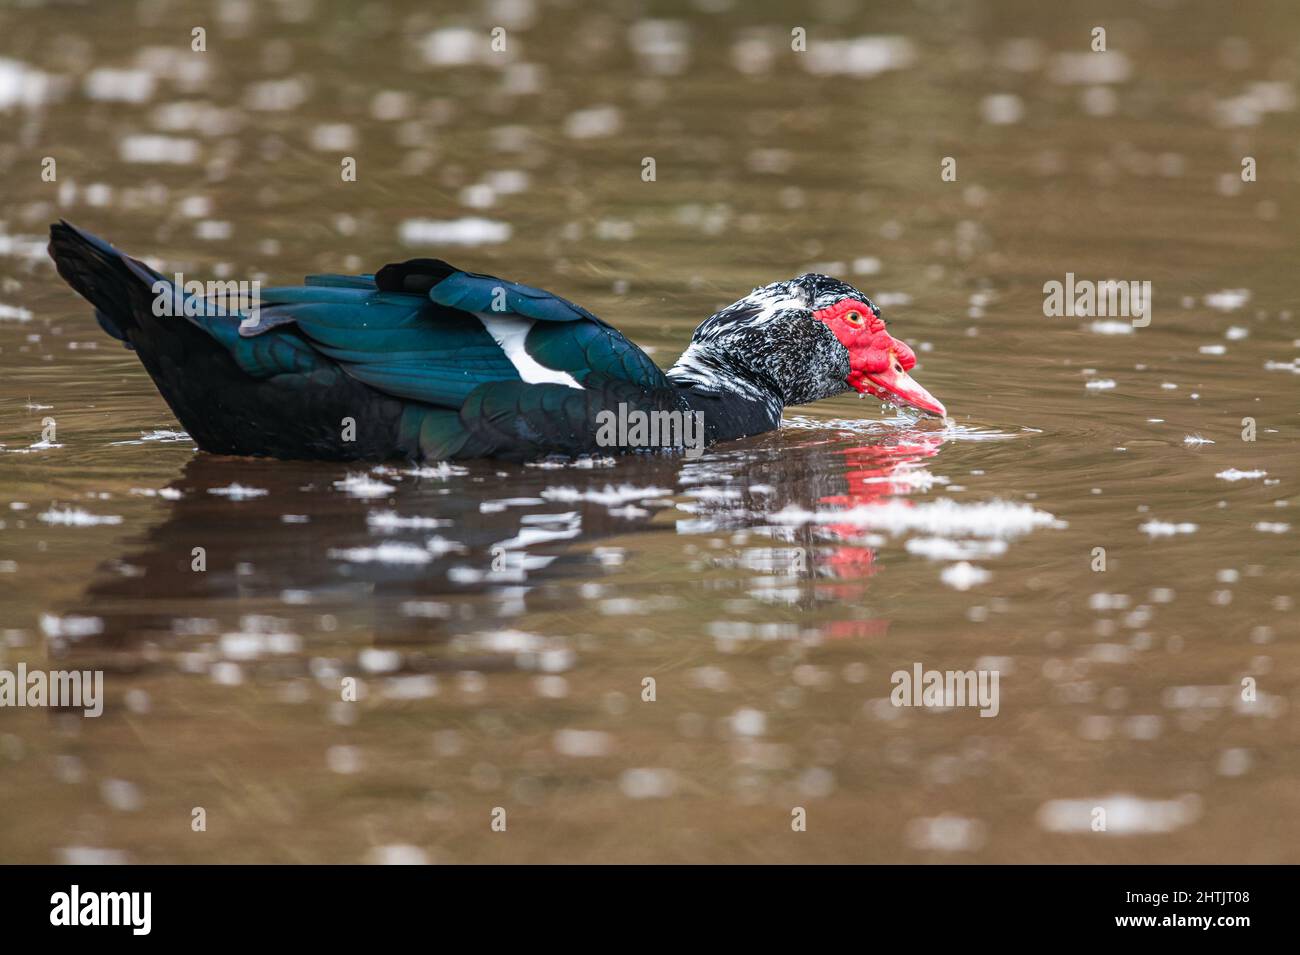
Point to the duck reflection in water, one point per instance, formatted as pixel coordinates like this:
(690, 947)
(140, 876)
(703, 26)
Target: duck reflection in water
(428, 552)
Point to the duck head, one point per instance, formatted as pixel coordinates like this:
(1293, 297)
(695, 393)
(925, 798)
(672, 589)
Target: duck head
(802, 340)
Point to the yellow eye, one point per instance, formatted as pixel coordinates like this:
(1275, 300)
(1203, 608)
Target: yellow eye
(854, 318)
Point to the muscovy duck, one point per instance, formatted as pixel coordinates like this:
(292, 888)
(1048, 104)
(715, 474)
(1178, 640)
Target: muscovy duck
(427, 362)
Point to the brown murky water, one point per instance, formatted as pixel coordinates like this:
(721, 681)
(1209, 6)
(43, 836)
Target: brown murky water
(771, 588)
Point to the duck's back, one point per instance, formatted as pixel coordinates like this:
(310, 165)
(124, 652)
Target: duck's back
(420, 360)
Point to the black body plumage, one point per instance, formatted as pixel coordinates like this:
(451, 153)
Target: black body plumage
(425, 361)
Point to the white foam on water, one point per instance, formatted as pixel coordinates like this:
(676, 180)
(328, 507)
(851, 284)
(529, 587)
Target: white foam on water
(389, 552)
(1232, 474)
(662, 46)
(946, 833)
(907, 476)
(391, 520)
(499, 505)
(253, 643)
(943, 548)
(379, 660)
(862, 56)
(90, 855)
(24, 247)
(14, 313)
(442, 470)
(149, 436)
(1126, 815)
(1227, 300)
(508, 641)
(70, 627)
(455, 46)
(891, 427)
(38, 446)
(166, 493)
(1155, 528)
(363, 486)
(470, 230)
(118, 85)
(941, 518)
(582, 744)
(76, 517)
(593, 122)
(716, 494)
(1002, 109)
(22, 85)
(438, 546)
(158, 149)
(609, 496)
(279, 95)
(238, 492)
(645, 783)
(397, 854)
(964, 575)
(629, 512)
(567, 517)
(582, 463)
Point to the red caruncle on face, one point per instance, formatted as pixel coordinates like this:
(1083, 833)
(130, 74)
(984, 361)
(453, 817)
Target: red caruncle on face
(878, 362)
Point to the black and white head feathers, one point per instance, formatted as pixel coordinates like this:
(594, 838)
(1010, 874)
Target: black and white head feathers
(770, 341)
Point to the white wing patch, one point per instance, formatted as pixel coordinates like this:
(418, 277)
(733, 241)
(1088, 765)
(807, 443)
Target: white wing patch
(509, 331)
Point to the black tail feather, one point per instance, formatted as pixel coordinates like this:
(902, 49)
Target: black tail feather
(116, 284)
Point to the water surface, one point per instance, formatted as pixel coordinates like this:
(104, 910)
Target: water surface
(500, 621)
